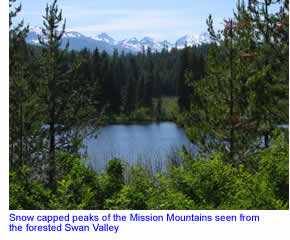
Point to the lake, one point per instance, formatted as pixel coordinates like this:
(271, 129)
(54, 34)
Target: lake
(151, 144)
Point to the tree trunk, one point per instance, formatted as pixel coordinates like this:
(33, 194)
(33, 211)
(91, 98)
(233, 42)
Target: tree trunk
(232, 147)
(12, 142)
(52, 160)
(21, 136)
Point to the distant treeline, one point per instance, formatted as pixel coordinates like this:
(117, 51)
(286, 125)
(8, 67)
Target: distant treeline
(124, 83)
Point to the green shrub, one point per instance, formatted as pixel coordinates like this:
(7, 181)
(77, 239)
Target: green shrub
(25, 193)
(133, 195)
(114, 179)
(78, 185)
(199, 183)
(214, 184)
(274, 166)
(142, 114)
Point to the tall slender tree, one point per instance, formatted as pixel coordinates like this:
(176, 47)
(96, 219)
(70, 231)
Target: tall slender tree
(237, 96)
(63, 92)
(182, 88)
(24, 123)
(272, 47)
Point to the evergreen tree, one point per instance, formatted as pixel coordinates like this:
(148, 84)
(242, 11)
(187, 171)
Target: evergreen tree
(140, 91)
(128, 97)
(53, 79)
(183, 91)
(24, 122)
(63, 93)
(228, 118)
(217, 121)
(272, 47)
(148, 82)
(116, 93)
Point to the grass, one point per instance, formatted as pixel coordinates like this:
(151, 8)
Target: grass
(169, 112)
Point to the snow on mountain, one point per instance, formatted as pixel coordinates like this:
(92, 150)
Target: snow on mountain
(104, 37)
(106, 43)
(167, 44)
(130, 44)
(36, 30)
(72, 35)
(148, 42)
(134, 45)
(193, 40)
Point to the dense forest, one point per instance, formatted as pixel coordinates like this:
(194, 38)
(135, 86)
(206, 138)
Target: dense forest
(230, 97)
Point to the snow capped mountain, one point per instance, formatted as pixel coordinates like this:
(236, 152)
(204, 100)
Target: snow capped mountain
(104, 37)
(167, 44)
(72, 35)
(193, 40)
(131, 43)
(36, 30)
(104, 42)
(148, 42)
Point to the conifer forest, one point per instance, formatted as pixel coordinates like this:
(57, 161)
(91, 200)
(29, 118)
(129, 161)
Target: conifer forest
(230, 97)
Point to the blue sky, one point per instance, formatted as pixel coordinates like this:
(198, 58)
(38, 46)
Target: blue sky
(159, 19)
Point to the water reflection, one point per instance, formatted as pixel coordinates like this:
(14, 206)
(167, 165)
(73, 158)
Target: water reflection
(154, 143)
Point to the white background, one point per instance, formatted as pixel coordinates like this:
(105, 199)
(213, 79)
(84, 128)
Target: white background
(272, 225)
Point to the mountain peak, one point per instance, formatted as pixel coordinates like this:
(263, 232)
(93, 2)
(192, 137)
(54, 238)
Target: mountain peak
(193, 40)
(35, 29)
(104, 42)
(72, 35)
(104, 37)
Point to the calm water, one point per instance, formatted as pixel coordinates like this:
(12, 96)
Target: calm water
(152, 143)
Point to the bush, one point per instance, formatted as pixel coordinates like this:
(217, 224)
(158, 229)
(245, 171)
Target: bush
(134, 195)
(25, 193)
(214, 184)
(142, 114)
(198, 183)
(274, 166)
(78, 185)
(114, 180)
(146, 193)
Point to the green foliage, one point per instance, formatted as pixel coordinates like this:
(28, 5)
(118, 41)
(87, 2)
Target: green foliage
(25, 192)
(169, 107)
(78, 187)
(25, 117)
(114, 179)
(243, 95)
(182, 89)
(144, 192)
(214, 184)
(199, 183)
(134, 195)
(142, 114)
(163, 196)
(274, 166)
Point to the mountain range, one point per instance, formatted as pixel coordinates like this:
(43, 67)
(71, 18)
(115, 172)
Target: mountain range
(104, 42)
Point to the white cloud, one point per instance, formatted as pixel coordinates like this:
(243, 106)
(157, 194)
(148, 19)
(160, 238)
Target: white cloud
(71, 11)
(159, 24)
(155, 23)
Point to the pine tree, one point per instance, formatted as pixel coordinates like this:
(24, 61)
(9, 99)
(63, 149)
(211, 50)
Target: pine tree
(221, 112)
(148, 81)
(140, 91)
(116, 93)
(182, 88)
(128, 97)
(236, 96)
(272, 46)
(62, 92)
(24, 123)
